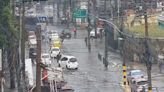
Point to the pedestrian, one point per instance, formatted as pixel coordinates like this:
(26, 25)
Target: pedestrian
(58, 57)
(86, 41)
(143, 89)
(75, 32)
(160, 66)
(62, 36)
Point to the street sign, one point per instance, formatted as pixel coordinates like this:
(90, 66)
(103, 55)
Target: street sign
(42, 19)
(80, 13)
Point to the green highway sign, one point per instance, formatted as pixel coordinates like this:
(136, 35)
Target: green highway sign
(80, 13)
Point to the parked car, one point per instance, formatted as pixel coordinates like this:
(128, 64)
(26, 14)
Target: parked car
(32, 53)
(32, 42)
(154, 89)
(138, 84)
(133, 74)
(70, 62)
(54, 52)
(29, 72)
(45, 57)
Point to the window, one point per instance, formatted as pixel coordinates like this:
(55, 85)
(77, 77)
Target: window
(64, 59)
(73, 60)
(45, 56)
(142, 83)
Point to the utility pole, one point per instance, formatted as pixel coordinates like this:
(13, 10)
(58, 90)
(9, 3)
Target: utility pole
(106, 39)
(89, 43)
(147, 54)
(18, 69)
(70, 10)
(58, 10)
(23, 45)
(118, 11)
(106, 47)
(95, 13)
(123, 45)
(38, 60)
(13, 7)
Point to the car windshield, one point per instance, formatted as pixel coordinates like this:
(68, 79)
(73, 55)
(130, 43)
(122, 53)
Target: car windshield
(73, 60)
(32, 37)
(141, 82)
(55, 49)
(45, 56)
(136, 73)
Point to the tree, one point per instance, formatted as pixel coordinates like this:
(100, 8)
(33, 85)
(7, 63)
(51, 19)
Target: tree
(8, 37)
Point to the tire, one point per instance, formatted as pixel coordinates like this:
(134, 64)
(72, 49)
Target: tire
(128, 82)
(67, 67)
(59, 65)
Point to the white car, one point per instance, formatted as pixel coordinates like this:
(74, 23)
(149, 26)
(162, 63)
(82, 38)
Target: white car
(32, 41)
(70, 62)
(54, 52)
(54, 36)
(45, 57)
(99, 30)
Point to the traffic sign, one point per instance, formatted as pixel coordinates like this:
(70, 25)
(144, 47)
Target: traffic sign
(80, 13)
(42, 19)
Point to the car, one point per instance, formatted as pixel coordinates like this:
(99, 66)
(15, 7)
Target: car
(32, 53)
(100, 32)
(137, 84)
(53, 36)
(31, 33)
(70, 62)
(32, 41)
(66, 33)
(133, 74)
(55, 43)
(54, 52)
(154, 89)
(45, 57)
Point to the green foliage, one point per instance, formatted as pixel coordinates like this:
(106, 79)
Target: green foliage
(154, 30)
(7, 27)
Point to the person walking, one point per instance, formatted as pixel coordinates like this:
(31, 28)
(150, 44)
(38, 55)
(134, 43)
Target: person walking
(160, 66)
(75, 32)
(62, 36)
(58, 57)
(86, 41)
